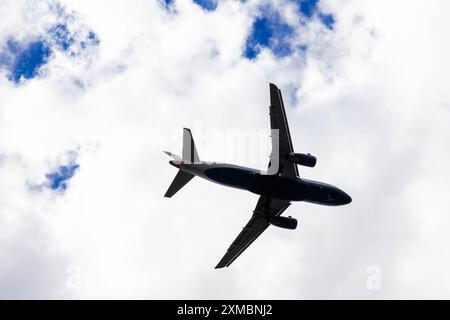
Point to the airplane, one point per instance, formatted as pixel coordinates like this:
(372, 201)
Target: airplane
(277, 188)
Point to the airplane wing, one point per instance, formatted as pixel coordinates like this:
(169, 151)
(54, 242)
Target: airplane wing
(279, 121)
(266, 207)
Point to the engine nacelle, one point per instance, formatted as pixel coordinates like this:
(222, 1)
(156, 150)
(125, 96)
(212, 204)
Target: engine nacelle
(302, 159)
(284, 222)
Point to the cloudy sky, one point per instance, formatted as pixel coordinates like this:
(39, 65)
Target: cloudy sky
(91, 92)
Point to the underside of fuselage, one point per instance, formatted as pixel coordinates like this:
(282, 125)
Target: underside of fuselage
(292, 189)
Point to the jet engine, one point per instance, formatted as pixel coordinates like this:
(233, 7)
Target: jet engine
(302, 159)
(284, 222)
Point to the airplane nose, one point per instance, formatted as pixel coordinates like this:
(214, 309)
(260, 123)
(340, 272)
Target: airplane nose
(346, 199)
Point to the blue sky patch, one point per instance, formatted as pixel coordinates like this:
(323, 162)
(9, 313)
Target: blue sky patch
(24, 61)
(62, 37)
(92, 37)
(259, 37)
(209, 5)
(58, 179)
(308, 7)
(269, 31)
(327, 20)
(303, 48)
(167, 4)
(91, 40)
(66, 40)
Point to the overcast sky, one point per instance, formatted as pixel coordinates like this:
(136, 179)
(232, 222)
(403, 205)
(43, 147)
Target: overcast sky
(91, 92)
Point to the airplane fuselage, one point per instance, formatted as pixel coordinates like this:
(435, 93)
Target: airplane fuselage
(253, 180)
(276, 188)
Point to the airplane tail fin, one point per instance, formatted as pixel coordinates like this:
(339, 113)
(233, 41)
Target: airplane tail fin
(189, 155)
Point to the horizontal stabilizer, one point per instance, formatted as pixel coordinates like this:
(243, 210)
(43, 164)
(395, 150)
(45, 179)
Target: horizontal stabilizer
(172, 155)
(178, 182)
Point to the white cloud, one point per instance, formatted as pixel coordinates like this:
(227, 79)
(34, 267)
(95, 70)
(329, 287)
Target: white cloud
(371, 103)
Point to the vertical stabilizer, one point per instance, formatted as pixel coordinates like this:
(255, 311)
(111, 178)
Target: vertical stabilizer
(189, 154)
